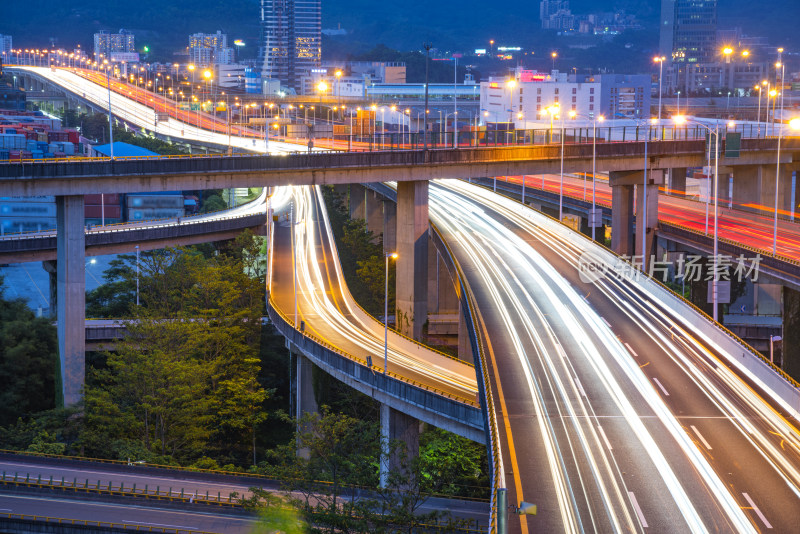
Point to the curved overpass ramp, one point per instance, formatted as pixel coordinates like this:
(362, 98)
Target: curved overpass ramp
(342, 339)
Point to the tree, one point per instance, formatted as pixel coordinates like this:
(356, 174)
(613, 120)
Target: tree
(28, 361)
(184, 380)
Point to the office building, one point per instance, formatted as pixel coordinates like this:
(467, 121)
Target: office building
(207, 49)
(5, 47)
(106, 44)
(556, 15)
(689, 30)
(688, 37)
(532, 93)
(291, 40)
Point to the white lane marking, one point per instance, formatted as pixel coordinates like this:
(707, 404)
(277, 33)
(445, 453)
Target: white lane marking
(699, 435)
(580, 387)
(607, 323)
(605, 438)
(639, 513)
(666, 393)
(159, 525)
(632, 351)
(756, 510)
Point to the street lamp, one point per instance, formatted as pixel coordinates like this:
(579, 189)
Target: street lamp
(794, 124)
(392, 255)
(594, 175)
(554, 55)
(660, 60)
(511, 84)
(322, 87)
(137, 274)
(561, 186)
(715, 132)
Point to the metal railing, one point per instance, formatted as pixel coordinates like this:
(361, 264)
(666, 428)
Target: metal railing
(482, 375)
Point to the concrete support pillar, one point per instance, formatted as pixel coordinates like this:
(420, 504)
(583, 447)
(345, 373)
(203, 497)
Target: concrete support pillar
(71, 295)
(343, 192)
(389, 226)
(622, 219)
(373, 213)
(358, 198)
(677, 181)
(747, 186)
(412, 264)
(51, 268)
(784, 185)
(305, 400)
(652, 220)
(399, 441)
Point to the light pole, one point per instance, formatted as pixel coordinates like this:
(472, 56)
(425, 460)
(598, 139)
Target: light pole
(594, 175)
(511, 84)
(137, 274)
(715, 132)
(660, 60)
(794, 124)
(455, 130)
(392, 255)
(561, 182)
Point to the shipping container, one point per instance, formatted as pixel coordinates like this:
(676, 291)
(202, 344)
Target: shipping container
(73, 137)
(96, 212)
(144, 214)
(95, 200)
(154, 201)
(27, 209)
(12, 141)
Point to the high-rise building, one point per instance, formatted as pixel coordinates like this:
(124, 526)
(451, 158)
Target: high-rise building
(5, 47)
(207, 49)
(106, 43)
(689, 30)
(556, 15)
(291, 39)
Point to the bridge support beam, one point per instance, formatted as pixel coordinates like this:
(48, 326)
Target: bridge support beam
(358, 199)
(412, 264)
(71, 295)
(677, 181)
(373, 213)
(649, 195)
(755, 185)
(621, 213)
(306, 402)
(389, 226)
(399, 442)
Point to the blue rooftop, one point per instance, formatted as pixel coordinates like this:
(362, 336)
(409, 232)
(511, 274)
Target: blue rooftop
(123, 150)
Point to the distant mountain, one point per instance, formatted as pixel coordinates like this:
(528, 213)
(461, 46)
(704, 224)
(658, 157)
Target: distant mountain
(165, 25)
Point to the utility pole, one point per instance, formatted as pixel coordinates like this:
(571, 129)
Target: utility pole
(427, 47)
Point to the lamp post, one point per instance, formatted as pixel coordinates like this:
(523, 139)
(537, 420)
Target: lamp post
(511, 84)
(561, 182)
(715, 132)
(338, 75)
(392, 255)
(594, 175)
(137, 274)
(660, 60)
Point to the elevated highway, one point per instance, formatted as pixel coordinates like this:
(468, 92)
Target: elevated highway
(644, 415)
(148, 235)
(87, 176)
